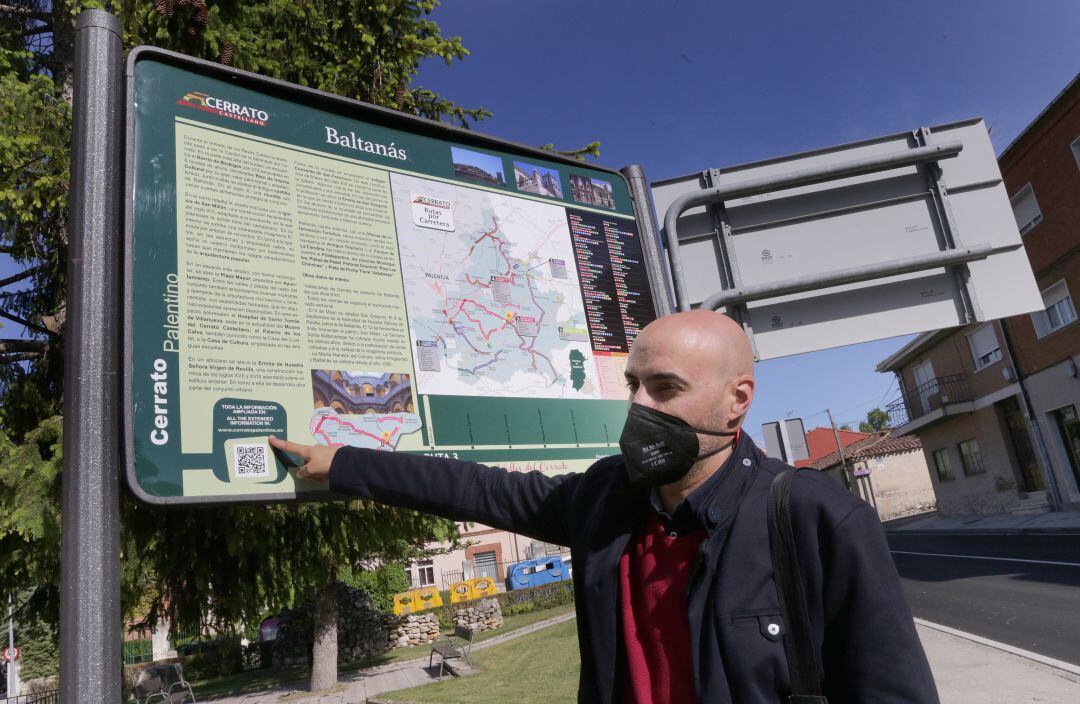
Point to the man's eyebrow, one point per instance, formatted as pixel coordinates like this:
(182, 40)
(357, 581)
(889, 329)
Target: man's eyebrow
(659, 376)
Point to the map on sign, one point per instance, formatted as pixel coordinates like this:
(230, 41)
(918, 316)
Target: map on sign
(492, 293)
(367, 430)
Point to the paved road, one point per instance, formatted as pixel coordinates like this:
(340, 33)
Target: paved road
(1023, 590)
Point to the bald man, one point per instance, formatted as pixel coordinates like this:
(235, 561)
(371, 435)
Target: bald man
(673, 577)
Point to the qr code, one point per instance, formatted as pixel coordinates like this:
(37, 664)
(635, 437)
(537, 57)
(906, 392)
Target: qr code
(250, 460)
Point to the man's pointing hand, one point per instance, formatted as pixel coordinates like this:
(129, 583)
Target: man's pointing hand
(315, 459)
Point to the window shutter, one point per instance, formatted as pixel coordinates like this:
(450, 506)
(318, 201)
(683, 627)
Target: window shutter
(1026, 209)
(983, 342)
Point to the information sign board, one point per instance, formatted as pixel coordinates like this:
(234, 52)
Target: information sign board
(331, 272)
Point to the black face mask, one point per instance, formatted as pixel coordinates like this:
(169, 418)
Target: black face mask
(660, 448)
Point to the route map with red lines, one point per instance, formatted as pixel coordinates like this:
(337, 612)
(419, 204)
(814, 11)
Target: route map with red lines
(492, 292)
(374, 431)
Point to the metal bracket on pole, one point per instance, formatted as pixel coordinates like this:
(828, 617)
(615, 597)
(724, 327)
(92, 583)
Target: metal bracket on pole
(804, 177)
(650, 237)
(90, 627)
(906, 265)
(942, 208)
(730, 275)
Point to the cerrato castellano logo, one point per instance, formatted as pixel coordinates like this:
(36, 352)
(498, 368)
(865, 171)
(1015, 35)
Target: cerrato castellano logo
(208, 103)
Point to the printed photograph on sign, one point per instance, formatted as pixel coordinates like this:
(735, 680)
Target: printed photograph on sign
(493, 308)
(362, 409)
(477, 166)
(540, 180)
(592, 191)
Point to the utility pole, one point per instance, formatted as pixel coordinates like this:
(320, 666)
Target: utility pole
(840, 449)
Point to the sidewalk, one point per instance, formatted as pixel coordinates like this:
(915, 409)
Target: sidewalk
(1053, 522)
(968, 671)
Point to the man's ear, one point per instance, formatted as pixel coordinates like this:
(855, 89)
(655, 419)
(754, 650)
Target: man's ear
(742, 390)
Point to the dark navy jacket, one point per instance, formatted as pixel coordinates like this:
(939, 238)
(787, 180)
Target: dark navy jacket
(861, 623)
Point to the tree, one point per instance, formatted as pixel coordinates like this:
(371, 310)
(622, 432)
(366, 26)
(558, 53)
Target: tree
(876, 421)
(244, 560)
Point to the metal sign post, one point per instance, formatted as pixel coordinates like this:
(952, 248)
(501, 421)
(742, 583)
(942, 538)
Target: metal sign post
(90, 629)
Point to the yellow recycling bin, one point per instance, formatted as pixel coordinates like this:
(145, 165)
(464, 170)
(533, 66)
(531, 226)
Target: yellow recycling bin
(471, 589)
(460, 591)
(416, 600)
(483, 586)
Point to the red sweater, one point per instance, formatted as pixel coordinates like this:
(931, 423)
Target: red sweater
(653, 575)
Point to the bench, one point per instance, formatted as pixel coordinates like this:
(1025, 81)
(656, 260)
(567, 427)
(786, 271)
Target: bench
(455, 647)
(158, 683)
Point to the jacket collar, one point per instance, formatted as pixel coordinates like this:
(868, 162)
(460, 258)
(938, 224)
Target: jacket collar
(717, 499)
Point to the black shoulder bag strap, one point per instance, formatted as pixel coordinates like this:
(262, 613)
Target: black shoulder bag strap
(798, 639)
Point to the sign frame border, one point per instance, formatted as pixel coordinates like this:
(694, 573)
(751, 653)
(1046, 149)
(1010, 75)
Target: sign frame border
(308, 97)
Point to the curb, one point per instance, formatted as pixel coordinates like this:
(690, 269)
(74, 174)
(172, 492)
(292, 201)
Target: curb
(1012, 650)
(985, 531)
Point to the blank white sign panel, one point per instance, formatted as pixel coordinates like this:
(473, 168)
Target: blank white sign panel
(860, 220)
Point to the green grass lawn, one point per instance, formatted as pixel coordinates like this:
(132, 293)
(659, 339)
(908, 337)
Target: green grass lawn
(540, 667)
(269, 678)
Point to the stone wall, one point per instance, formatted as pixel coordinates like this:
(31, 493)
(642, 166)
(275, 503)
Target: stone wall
(480, 615)
(362, 630)
(408, 630)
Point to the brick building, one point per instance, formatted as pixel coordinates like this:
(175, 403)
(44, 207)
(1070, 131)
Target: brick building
(996, 404)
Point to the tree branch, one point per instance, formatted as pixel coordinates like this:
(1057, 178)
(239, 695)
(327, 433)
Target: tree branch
(26, 12)
(20, 357)
(26, 323)
(21, 345)
(40, 29)
(22, 275)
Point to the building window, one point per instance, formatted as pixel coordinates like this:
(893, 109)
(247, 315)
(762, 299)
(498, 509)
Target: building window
(984, 346)
(941, 464)
(425, 574)
(970, 457)
(1059, 310)
(1076, 151)
(1026, 209)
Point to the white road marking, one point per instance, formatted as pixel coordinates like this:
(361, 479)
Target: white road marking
(983, 557)
(1051, 662)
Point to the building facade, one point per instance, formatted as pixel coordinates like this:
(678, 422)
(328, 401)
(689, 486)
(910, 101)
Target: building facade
(487, 552)
(995, 404)
(1042, 174)
(887, 472)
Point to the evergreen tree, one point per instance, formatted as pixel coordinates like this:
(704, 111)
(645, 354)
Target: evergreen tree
(245, 561)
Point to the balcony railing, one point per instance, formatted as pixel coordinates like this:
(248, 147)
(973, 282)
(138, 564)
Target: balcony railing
(934, 394)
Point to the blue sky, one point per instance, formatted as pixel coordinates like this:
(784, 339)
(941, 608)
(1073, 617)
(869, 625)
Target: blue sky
(685, 85)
